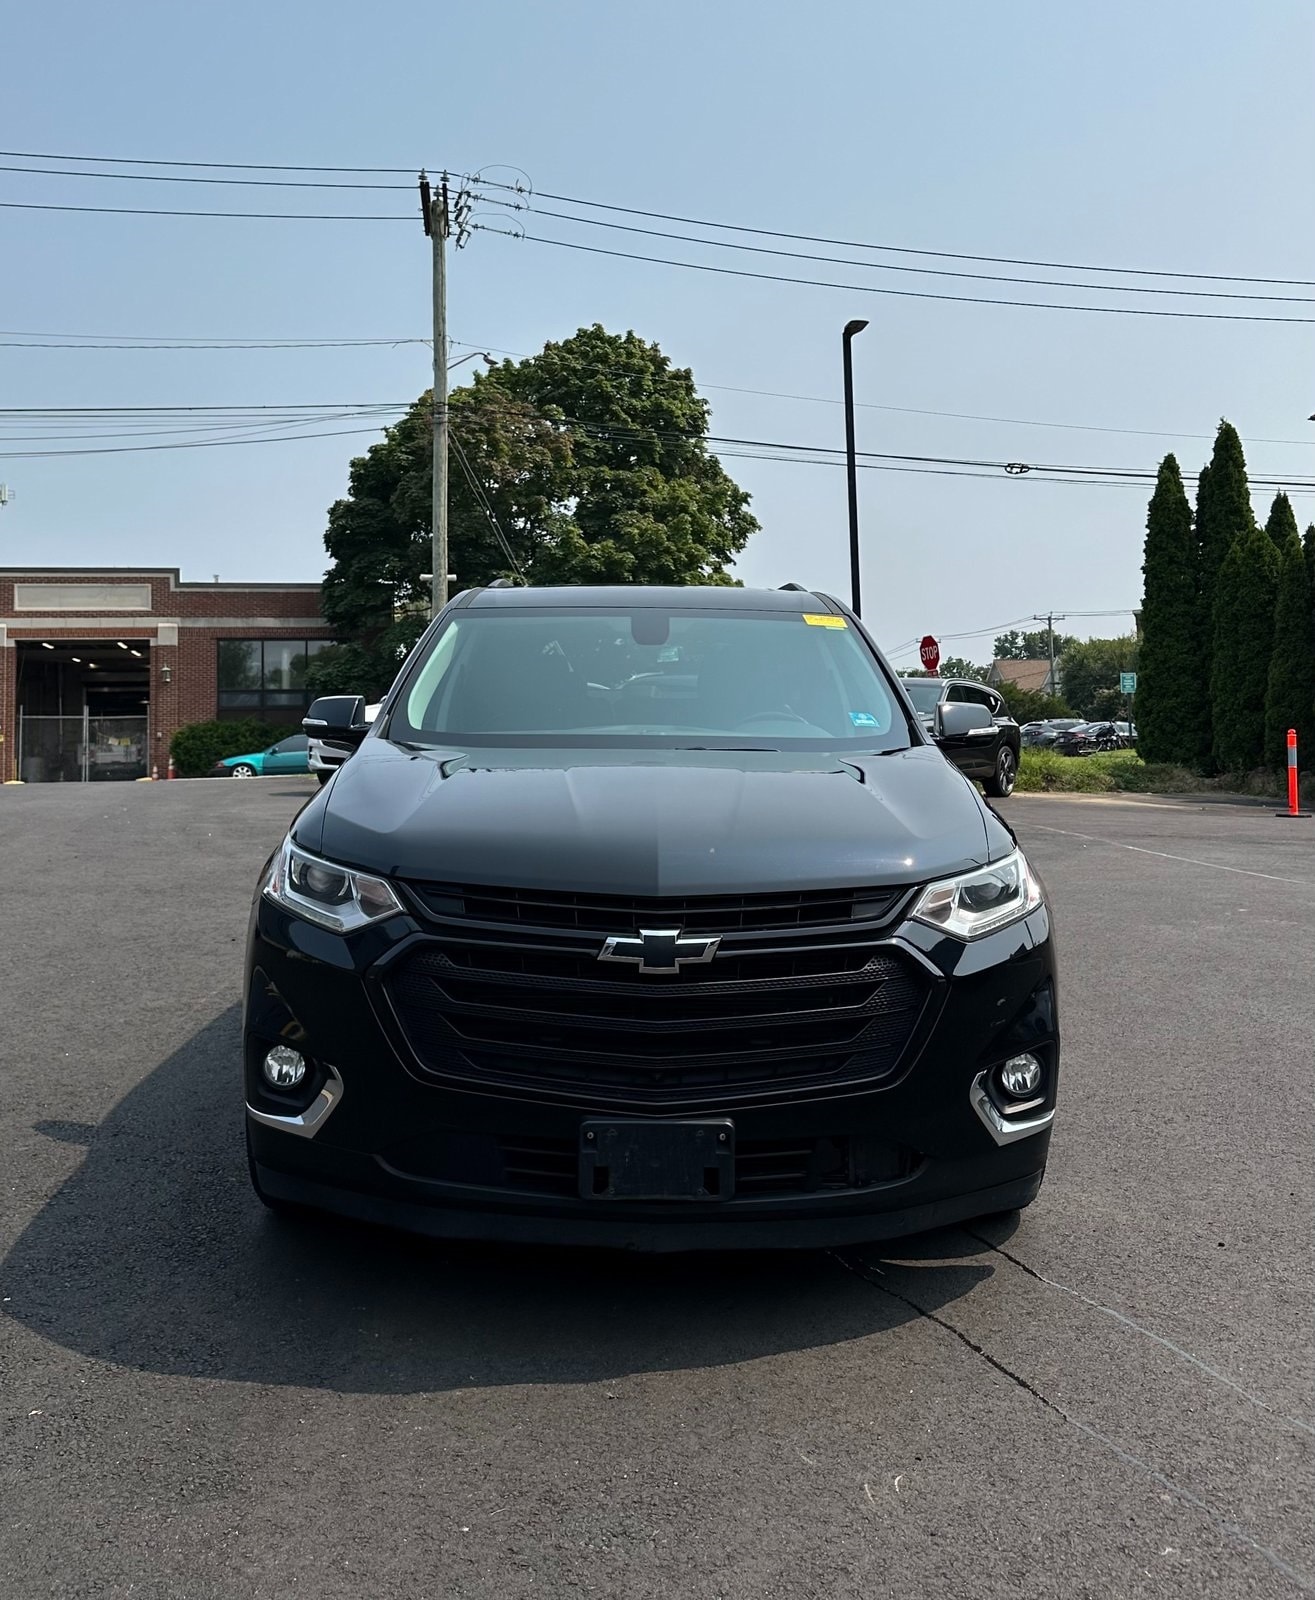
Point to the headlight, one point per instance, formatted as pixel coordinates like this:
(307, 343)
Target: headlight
(976, 903)
(335, 897)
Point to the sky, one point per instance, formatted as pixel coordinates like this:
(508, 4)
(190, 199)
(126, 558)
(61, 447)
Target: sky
(1176, 137)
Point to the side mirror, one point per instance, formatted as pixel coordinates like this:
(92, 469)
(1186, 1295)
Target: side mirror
(961, 719)
(337, 719)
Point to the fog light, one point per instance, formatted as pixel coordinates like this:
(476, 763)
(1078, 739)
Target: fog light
(1021, 1076)
(285, 1068)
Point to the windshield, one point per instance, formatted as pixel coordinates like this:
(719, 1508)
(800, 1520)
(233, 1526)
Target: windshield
(925, 693)
(693, 680)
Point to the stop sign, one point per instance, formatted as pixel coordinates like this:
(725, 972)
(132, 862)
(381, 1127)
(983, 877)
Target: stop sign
(930, 652)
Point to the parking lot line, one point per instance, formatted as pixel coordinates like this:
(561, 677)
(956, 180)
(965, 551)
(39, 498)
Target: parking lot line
(1168, 855)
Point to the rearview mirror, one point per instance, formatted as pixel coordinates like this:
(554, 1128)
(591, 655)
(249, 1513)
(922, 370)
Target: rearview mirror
(337, 719)
(961, 719)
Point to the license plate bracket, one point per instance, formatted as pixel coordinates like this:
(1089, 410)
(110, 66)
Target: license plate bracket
(630, 1159)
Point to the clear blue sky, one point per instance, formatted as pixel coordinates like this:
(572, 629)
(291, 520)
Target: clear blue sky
(1174, 135)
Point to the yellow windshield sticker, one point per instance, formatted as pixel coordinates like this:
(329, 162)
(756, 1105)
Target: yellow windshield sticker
(818, 620)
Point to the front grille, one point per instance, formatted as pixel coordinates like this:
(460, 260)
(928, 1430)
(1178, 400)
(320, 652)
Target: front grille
(535, 1013)
(764, 1168)
(701, 914)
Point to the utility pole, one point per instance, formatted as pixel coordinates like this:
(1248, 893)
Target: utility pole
(851, 466)
(1050, 619)
(437, 216)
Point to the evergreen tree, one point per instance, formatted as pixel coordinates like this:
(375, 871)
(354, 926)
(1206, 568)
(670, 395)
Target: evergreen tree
(1223, 514)
(1308, 547)
(1290, 702)
(1281, 525)
(1172, 719)
(1243, 646)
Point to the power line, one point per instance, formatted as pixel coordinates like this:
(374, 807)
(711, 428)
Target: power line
(895, 249)
(914, 411)
(229, 166)
(903, 294)
(934, 272)
(482, 500)
(316, 405)
(661, 216)
(161, 211)
(232, 344)
(169, 177)
(199, 444)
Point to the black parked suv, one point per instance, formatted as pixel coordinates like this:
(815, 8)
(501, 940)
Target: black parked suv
(650, 918)
(989, 754)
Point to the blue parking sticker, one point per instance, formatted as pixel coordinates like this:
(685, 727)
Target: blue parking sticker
(863, 719)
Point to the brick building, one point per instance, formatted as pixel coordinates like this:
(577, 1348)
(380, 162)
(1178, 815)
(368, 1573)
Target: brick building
(100, 666)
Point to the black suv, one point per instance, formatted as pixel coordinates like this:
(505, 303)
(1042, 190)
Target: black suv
(988, 754)
(650, 918)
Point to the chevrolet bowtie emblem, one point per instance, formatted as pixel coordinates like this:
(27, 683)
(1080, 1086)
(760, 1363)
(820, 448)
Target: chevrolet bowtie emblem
(660, 950)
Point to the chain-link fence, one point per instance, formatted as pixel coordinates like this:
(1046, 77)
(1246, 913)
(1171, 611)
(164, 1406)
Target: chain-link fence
(81, 749)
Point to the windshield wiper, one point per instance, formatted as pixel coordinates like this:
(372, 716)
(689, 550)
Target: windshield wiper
(739, 749)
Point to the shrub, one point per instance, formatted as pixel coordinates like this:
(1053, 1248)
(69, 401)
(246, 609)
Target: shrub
(1045, 772)
(198, 746)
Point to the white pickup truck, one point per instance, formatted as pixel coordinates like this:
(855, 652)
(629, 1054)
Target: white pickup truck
(325, 759)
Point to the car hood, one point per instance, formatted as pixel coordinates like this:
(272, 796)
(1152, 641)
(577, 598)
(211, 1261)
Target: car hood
(655, 823)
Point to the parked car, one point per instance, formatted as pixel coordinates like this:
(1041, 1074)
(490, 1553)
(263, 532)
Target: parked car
(741, 963)
(288, 755)
(990, 756)
(1041, 735)
(1089, 738)
(325, 759)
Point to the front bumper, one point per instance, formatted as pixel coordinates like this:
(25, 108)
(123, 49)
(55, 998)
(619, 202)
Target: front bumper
(376, 1135)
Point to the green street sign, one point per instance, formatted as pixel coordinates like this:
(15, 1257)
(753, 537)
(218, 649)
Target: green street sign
(1127, 683)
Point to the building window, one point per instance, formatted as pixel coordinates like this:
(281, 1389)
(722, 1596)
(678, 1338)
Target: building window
(265, 678)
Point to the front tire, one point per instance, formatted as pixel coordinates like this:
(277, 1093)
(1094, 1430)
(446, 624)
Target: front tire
(1000, 785)
(244, 769)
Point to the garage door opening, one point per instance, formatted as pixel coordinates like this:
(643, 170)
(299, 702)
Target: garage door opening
(83, 710)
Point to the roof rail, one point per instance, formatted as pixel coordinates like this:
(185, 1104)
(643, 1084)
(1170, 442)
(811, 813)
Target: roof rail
(798, 587)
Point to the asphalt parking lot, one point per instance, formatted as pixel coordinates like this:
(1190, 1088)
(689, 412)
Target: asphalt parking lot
(1110, 1395)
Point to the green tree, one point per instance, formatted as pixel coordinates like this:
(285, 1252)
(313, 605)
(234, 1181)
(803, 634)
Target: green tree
(1308, 550)
(592, 460)
(1031, 705)
(1015, 646)
(1281, 524)
(1243, 645)
(1172, 709)
(1290, 697)
(961, 667)
(1090, 670)
(1223, 515)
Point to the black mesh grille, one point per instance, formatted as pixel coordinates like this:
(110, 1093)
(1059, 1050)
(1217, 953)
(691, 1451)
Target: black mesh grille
(764, 1168)
(538, 1014)
(623, 914)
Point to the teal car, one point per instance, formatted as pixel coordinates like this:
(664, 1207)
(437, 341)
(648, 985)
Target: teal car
(288, 755)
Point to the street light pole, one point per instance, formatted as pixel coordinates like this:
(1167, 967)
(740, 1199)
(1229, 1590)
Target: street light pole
(851, 466)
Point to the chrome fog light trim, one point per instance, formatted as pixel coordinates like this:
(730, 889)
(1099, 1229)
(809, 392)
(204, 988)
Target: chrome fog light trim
(308, 1122)
(1004, 1130)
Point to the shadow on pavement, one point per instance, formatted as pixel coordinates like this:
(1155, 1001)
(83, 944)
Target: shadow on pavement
(156, 1255)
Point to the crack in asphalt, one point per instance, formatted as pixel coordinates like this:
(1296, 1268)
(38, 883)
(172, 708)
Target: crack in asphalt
(1157, 1338)
(1232, 1530)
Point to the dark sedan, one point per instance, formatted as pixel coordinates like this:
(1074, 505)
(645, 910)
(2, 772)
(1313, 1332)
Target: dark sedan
(1088, 739)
